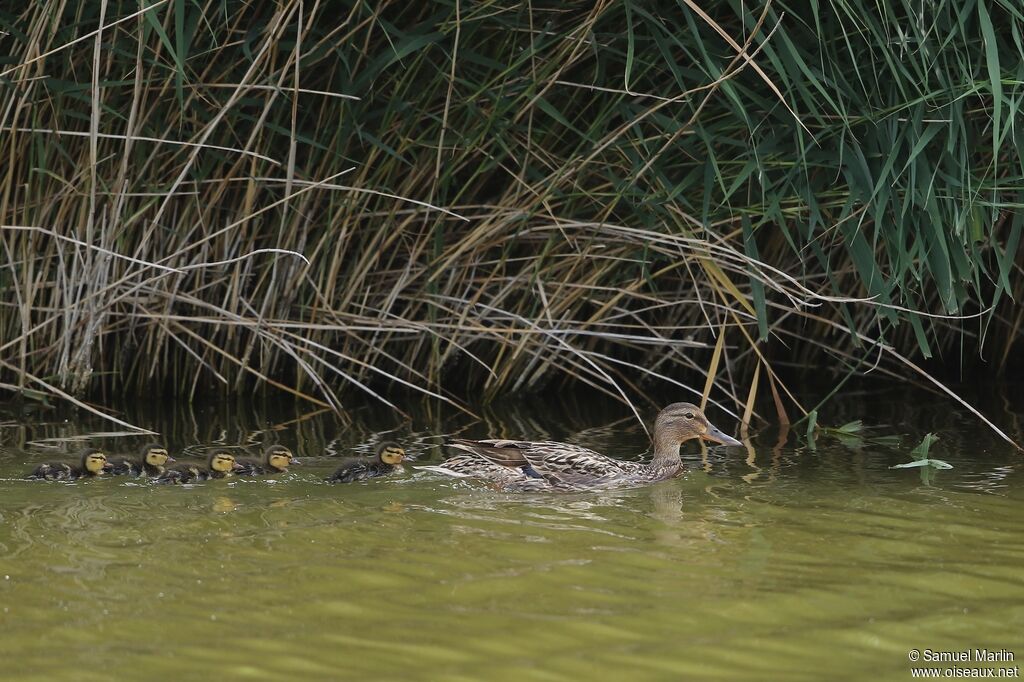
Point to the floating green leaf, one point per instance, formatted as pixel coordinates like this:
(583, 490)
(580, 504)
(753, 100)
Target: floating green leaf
(851, 427)
(934, 463)
(921, 452)
(922, 448)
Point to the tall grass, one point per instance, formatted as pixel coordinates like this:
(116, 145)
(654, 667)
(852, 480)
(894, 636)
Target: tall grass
(470, 199)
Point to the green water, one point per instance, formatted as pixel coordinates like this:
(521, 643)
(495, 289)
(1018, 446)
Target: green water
(781, 562)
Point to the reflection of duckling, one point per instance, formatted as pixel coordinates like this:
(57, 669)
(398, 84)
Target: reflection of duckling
(224, 505)
(219, 465)
(389, 458)
(275, 460)
(94, 463)
(150, 462)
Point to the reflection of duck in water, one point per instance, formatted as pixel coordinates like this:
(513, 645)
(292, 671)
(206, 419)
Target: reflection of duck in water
(275, 460)
(388, 459)
(151, 462)
(93, 463)
(219, 465)
(528, 465)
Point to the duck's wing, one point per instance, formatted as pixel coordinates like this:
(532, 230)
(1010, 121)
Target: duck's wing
(507, 453)
(559, 463)
(471, 465)
(573, 465)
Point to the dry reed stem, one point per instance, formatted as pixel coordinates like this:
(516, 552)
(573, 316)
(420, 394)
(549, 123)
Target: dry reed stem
(511, 219)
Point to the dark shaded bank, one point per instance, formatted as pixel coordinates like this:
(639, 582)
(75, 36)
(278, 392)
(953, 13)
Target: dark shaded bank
(470, 200)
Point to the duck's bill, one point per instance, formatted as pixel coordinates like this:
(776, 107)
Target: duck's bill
(169, 460)
(294, 460)
(714, 435)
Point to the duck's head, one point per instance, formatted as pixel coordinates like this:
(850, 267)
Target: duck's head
(94, 462)
(391, 453)
(155, 455)
(278, 457)
(681, 422)
(222, 462)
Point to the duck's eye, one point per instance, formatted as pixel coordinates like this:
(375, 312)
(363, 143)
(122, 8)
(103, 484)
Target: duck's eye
(689, 415)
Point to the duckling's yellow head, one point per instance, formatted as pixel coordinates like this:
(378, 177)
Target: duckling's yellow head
(94, 461)
(222, 462)
(155, 455)
(278, 457)
(391, 453)
(684, 421)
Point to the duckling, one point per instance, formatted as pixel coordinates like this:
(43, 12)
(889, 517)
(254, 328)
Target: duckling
(220, 464)
(388, 459)
(93, 463)
(150, 462)
(275, 460)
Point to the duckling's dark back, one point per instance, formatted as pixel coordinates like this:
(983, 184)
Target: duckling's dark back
(185, 473)
(51, 471)
(360, 470)
(126, 467)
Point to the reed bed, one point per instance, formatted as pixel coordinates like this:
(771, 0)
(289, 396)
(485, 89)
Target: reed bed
(468, 200)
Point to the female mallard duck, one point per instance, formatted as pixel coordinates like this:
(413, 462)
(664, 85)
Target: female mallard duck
(524, 465)
(388, 459)
(93, 463)
(151, 462)
(275, 460)
(220, 464)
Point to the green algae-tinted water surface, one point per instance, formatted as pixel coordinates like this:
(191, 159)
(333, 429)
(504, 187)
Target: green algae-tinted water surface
(785, 560)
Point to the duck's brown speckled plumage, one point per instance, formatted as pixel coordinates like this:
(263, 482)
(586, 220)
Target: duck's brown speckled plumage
(547, 465)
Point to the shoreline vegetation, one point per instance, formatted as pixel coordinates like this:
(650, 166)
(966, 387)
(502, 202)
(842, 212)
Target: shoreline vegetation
(470, 200)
